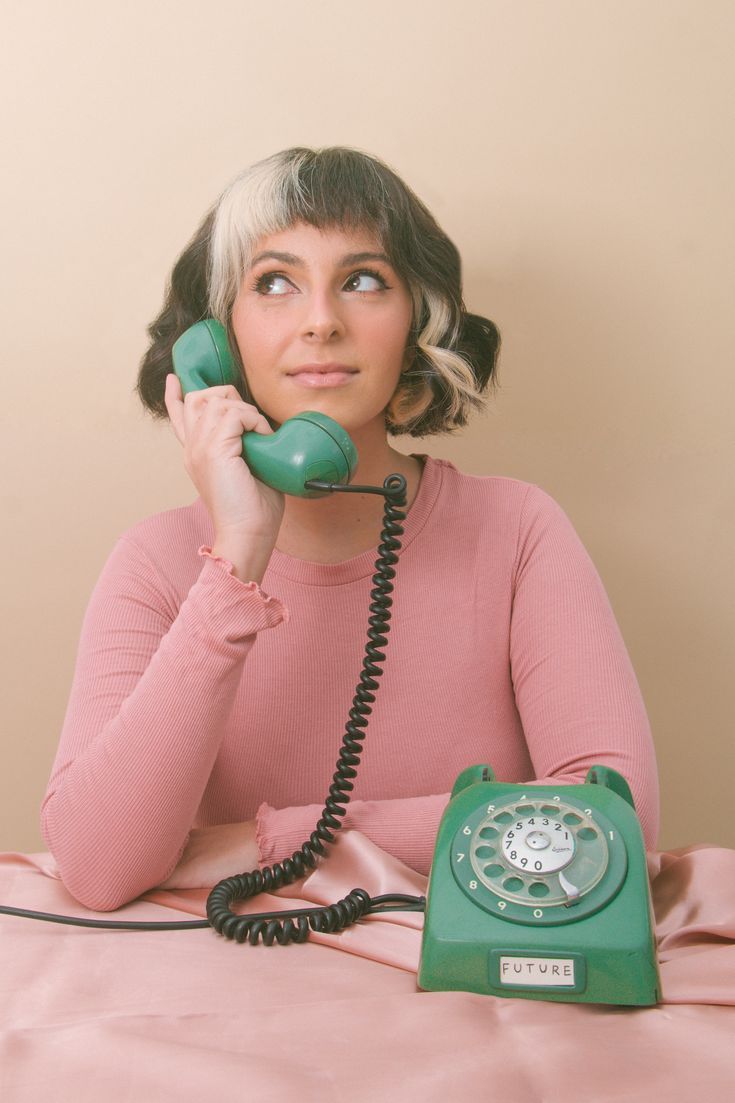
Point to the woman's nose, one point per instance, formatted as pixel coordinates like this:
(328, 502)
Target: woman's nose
(322, 317)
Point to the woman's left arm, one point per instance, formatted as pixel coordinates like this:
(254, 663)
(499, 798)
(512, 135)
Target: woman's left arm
(574, 684)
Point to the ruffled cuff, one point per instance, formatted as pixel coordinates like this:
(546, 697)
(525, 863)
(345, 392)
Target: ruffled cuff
(405, 828)
(273, 610)
(279, 832)
(263, 838)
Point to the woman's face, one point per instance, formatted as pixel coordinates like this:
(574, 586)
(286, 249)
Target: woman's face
(321, 321)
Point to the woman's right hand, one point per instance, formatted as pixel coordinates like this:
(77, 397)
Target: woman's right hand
(246, 513)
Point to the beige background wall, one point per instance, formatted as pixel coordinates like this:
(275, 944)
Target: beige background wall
(581, 156)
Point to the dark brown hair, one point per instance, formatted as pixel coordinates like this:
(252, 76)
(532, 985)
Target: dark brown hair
(454, 352)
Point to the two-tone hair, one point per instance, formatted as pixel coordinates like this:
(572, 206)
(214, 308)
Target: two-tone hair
(452, 354)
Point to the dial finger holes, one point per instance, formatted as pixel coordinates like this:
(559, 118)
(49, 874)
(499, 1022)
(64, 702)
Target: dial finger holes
(522, 857)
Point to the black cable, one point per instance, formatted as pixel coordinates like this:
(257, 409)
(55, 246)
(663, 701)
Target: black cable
(379, 905)
(358, 902)
(108, 924)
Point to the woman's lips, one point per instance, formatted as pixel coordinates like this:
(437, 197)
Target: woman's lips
(327, 376)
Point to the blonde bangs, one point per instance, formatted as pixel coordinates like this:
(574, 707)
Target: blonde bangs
(266, 198)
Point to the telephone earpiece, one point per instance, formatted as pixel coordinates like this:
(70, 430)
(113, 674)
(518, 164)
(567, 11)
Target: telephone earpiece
(308, 446)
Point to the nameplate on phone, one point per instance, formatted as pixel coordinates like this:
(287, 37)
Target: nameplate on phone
(537, 972)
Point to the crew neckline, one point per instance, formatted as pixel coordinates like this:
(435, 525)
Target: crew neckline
(307, 573)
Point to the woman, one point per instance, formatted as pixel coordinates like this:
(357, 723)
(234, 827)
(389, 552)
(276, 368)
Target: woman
(223, 641)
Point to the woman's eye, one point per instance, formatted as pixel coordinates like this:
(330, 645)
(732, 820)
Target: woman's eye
(372, 278)
(264, 284)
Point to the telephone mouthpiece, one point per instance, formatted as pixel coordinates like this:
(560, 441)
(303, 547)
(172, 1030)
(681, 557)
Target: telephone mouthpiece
(308, 446)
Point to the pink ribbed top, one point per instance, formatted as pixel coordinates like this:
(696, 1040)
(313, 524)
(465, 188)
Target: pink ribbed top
(199, 699)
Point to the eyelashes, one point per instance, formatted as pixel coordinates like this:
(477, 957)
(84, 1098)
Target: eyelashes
(261, 284)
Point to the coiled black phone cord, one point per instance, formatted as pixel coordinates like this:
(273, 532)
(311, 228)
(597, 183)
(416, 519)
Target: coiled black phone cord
(295, 926)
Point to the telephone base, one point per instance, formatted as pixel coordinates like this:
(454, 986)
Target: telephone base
(541, 892)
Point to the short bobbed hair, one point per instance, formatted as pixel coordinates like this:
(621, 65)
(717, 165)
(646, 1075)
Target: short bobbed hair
(452, 354)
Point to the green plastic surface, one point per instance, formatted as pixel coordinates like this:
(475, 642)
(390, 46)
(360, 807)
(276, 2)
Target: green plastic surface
(308, 446)
(567, 918)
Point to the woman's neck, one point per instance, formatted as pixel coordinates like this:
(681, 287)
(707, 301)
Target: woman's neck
(340, 526)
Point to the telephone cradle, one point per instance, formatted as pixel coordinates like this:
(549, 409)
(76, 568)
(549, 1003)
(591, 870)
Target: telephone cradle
(541, 891)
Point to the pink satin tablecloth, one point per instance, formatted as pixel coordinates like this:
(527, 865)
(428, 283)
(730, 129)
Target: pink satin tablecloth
(187, 1016)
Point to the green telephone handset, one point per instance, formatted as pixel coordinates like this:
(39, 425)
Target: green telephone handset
(308, 447)
(542, 892)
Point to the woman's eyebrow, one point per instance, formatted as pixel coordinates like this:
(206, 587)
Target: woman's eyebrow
(298, 262)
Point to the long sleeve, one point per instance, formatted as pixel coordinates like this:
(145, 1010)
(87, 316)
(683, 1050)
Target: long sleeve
(143, 726)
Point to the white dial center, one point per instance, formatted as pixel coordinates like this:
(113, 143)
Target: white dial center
(538, 845)
(538, 840)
